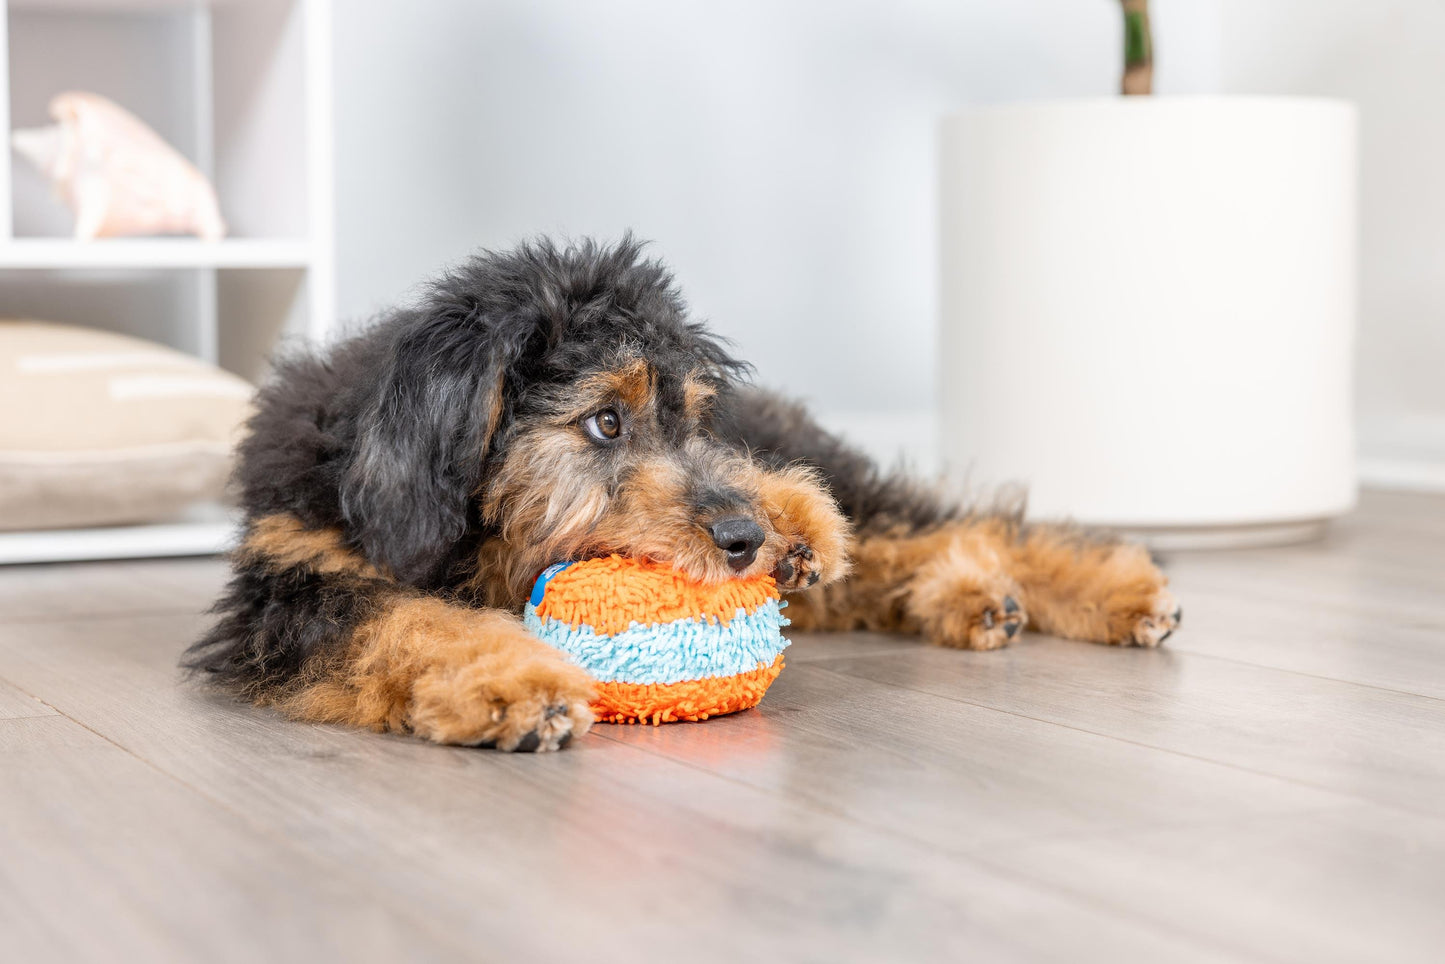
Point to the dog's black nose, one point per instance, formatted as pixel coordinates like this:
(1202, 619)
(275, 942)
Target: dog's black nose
(739, 537)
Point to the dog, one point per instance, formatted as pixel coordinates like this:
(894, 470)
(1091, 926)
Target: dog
(402, 490)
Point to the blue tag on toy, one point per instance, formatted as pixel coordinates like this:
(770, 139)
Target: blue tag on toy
(547, 576)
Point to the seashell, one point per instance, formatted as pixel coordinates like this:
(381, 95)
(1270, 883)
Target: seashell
(118, 175)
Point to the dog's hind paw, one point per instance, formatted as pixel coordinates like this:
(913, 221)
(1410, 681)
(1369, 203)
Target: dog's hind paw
(982, 621)
(959, 602)
(1159, 624)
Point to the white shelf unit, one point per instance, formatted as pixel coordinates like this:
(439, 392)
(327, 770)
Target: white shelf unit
(243, 89)
(153, 253)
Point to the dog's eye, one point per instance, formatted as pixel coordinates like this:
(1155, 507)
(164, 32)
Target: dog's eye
(605, 426)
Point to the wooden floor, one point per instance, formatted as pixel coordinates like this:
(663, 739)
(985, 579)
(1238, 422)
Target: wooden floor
(1270, 786)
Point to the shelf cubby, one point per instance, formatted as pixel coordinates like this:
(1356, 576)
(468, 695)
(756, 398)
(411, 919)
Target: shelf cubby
(243, 89)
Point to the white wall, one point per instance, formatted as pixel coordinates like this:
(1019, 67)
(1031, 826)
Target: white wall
(1389, 57)
(780, 152)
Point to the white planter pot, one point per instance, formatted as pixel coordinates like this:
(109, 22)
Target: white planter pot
(1148, 307)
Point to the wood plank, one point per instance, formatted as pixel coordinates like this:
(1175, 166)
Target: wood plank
(1367, 743)
(1383, 558)
(1338, 582)
(1053, 801)
(1370, 645)
(956, 776)
(1386, 510)
(1354, 884)
(1362, 606)
(813, 647)
(1006, 788)
(15, 704)
(81, 590)
(629, 848)
(107, 859)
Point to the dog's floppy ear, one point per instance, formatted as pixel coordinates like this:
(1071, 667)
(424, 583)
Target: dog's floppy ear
(422, 439)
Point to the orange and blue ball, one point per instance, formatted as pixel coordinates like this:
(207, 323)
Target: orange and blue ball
(662, 646)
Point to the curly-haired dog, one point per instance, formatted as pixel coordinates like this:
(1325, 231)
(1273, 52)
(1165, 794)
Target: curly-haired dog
(402, 491)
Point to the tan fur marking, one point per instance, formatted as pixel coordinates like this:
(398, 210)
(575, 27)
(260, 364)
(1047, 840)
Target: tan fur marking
(495, 402)
(633, 384)
(697, 397)
(448, 674)
(283, 541)
(651, 517)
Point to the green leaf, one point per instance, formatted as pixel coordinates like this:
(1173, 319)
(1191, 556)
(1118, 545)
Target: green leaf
(1136, 39)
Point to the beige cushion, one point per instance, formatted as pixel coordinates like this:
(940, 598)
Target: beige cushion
(98, 428)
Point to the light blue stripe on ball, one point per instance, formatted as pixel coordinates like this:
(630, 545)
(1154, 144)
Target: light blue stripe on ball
(683, 649)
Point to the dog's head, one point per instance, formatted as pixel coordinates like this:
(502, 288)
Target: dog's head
(554, 404)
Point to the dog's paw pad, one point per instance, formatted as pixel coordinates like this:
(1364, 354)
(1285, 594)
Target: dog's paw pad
(999, 622)
(1159, 624)
(799, 569)
(980, 621)
(531, 707)
(555, 725)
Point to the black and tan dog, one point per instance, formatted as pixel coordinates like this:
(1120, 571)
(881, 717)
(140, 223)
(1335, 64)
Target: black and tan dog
(403, 489)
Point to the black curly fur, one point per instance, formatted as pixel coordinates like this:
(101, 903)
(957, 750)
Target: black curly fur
(388, 436)
(382, 435)
(274, 622)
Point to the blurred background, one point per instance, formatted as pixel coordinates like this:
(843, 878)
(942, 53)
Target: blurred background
(782, 155)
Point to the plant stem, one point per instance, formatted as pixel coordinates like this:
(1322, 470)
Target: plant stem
(1138, 49)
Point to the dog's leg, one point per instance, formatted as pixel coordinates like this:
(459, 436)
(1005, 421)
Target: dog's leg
(950, 584)
(976, 583)
(450, 675)
(922, 565)
(315, 631)
(1082, 585)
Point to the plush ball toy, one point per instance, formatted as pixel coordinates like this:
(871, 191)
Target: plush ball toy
(661, 646)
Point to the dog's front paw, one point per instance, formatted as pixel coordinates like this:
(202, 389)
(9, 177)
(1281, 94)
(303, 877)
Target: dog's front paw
(799, 569)
(537, 704)
(811, 538)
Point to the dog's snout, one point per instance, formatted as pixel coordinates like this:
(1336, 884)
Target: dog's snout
(739, 537)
